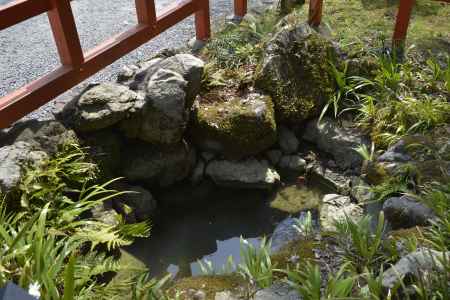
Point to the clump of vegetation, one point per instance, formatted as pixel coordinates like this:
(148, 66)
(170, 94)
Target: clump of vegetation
(50, 244)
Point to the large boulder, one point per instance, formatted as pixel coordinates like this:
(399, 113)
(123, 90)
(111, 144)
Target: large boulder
(99, 106)
(336, 208)
(418, 263)
(162, 117)
(48, 136)
(295, 73)
(157, 165)
(406, 212)
(249, 173)
(187, 65)
(13, 162)
(237, 128)
(337, 140)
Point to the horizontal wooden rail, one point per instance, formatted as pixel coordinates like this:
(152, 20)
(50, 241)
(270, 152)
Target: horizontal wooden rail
(76, 66)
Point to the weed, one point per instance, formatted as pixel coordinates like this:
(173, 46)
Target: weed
(256, 266)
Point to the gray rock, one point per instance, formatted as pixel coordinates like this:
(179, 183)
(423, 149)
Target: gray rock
(278, 291)
(336, 208)
(360, 190)
(287, 140)
(298, 55)
(406, 212)
(418, 263)
(162, 117)
(249, 173)
(157, 165)
(226, 295)
(13, 160)
(283, 234)
(274, 156)
(199, 295)
(105, 148)
(187, 65)
(329, 180)
(292, 163)
(98, 106)
(339, 141)
(48, 136)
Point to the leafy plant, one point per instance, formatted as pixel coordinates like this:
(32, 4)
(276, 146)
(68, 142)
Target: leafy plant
(304, 226)
(361, 247)
(365, 153)
(256, 266)
(308, 282)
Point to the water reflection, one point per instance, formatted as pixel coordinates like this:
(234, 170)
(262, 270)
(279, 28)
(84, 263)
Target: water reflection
(209, 229)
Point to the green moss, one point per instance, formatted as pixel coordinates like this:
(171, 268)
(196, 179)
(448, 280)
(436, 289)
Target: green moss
(234, 128)
(208, 284)
(303, 249)
(296, 74)
(293, 199)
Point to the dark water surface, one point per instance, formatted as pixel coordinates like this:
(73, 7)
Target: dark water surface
(207, 227)
(207, 230)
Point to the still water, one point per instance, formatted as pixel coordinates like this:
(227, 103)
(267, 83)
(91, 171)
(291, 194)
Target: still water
(208, 229)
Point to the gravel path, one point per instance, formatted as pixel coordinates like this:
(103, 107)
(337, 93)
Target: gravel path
(27, 50)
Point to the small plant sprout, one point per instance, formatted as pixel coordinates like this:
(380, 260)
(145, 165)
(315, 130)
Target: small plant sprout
(304, 225)
(366, 154)
(206, 267)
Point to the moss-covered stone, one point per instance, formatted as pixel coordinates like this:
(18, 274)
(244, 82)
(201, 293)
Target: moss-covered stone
(296, 251)
(295, 72)
(236, 128)
(293, 199)
(208, 284)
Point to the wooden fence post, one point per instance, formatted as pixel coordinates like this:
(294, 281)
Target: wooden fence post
(202, 21)
(315, 12)
(240, 8)
(65, 33)
(402, 23)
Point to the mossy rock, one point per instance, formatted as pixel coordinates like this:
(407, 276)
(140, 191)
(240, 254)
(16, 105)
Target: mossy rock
(236, 128)
(293, 199)
(300, 248)
(295, 72)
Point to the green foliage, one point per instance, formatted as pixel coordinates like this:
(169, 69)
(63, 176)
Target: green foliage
(256, 266)
(361, 247)
(304, 226)
(308, 282)
(366, 154)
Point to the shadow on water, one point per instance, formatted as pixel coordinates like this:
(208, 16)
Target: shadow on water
(207, 226)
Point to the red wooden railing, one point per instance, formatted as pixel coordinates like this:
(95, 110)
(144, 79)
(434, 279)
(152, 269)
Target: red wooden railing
(76, 65)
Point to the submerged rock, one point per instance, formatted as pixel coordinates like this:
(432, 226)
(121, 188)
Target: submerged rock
(295, 73)
(337, 140)
(137, 204)
(13, 161)
(157, 165)
(415, 264)
(406, 212)
(337, 208)
(237, 128)
(249, 173)
(98, 106)
(161, 118)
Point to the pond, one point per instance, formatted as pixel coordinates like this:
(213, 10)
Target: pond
(211, 226)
